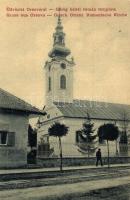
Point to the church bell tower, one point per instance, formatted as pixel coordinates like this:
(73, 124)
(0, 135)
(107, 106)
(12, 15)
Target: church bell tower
(59, 70)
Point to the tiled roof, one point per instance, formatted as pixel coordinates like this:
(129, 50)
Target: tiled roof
(96, 110)
(10, 102)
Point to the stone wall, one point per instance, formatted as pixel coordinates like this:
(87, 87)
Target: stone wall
(55, 162)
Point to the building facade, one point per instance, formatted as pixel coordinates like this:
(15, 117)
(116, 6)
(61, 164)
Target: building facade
(14, 122)
(62, 107)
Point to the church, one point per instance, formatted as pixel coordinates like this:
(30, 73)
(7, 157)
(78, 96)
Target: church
(62, 107)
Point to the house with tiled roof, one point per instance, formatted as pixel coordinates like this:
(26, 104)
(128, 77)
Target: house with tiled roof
(62, 107)
(14, 120)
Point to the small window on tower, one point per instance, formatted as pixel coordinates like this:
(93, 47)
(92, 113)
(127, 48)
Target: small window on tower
(63, 82)
(49, 84)
(60, 39)
(63, 65)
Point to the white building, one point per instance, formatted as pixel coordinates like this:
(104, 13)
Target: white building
(62, 107)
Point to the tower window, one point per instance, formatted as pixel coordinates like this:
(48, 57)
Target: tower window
(49, 84)
(60, 39)
(63, 65)
(63, 82)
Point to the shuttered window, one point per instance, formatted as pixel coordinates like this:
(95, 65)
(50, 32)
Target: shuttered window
(3, 137)
(11, 139)
(77, 136)
(7, 138)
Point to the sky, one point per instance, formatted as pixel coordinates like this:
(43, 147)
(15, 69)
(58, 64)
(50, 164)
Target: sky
(100, 47)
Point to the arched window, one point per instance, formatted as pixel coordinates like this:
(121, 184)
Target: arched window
(49, 84)
(63, 82)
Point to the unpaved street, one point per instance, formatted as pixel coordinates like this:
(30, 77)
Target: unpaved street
(110, 184)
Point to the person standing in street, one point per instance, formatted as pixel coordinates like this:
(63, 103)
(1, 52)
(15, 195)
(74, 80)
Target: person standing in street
(99, 157)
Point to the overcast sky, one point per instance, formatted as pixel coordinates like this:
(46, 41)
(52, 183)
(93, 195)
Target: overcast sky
(100, 47)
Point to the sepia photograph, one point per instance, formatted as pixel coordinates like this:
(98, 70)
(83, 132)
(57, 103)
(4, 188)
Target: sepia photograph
(64, 100)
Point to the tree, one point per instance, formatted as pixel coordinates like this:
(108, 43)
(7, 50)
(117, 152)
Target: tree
(86, 138)
(123, 143)
(100, 134)
(108, 132)
(123, 138)
(32, 137)
(32, 142)
(124, 121)
(58, 130)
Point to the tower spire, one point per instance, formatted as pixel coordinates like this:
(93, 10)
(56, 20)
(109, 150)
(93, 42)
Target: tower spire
(59, 26)
(59, 21)
(59, 69)
(59, 48)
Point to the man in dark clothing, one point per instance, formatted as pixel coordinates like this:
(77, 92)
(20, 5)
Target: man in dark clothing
(99, 157)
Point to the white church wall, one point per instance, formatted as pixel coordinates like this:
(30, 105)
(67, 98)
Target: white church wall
(69, 141)
(52, 113)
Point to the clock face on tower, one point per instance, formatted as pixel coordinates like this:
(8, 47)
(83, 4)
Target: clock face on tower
(63, 65)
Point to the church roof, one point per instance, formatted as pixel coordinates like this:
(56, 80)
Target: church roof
(96, 110)
(59, 50)
(9, 102)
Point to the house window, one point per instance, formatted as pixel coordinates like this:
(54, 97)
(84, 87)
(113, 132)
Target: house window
(7, 138)
(49, 84)
(63, 82)
(3, 138)
(77, 136)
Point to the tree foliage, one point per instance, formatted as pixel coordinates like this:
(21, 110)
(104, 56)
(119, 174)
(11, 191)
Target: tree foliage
(108, 132)
(123, 144)
(32, 142)
(86, 137)
(124, 121)
(58, 130)
(32, 136)
(123, 138)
